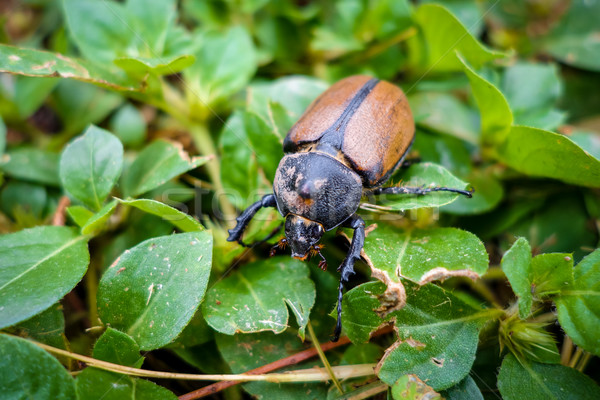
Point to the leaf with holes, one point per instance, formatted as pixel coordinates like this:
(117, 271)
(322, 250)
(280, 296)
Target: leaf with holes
(38, 267)
(256, 298)
(152, 290)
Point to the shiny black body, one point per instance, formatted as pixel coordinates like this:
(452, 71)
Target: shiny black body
(318, 187)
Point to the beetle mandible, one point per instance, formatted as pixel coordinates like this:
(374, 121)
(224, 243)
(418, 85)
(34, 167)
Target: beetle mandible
(346, 144)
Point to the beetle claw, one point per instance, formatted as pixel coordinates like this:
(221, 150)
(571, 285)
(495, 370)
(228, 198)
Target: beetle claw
(323, 265)
(280, 245)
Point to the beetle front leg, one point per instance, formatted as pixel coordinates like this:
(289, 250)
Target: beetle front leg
(347, 268)
(235, 234)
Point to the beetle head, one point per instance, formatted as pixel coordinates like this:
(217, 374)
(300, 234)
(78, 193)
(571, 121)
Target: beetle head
(302, 234)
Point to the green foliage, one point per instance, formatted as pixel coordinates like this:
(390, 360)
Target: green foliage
(134, 132)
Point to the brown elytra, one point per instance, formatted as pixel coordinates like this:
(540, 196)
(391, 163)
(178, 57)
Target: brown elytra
(363, 122)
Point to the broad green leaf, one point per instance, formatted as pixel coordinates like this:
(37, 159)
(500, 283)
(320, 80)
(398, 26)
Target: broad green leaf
(496, 115)
(47, 327)
(535, 381)
(537, 152)
(420, 175)
(467, 12)
(38, 267)
(574, 40)
(362, 353)
(31, 92)
(80, 104)
(30, 62)
(245, 352)
(96, 384)
(129, 125)
(31, 164)
(151, 21)
(182, 221)
(28, 372)
(551, 273)
(437, 332)
(160, 66)
(579, 306)
(195, 333)
(256, 298)
(423, 255)
(225, 62)
(119, 348)
(239, 167)
(447, 151)
(532, 90)
(465, 390)
(157, 163)
(441, 56)
(294, 93)
(22, 197)
(267, 145)
(90, 165)
(488, 194)
(152, 290)
(444, 113)
(79, 214)
(410, 387)
(516, 265)
(96, 222)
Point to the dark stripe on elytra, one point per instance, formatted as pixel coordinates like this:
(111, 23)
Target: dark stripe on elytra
(334, 135)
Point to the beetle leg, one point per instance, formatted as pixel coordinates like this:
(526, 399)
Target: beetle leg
(419, 191)
(347, 268)
(235, 234)
(323, 262)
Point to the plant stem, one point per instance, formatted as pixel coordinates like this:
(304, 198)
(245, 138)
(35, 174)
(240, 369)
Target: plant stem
(303, 375)
(576, 357)
(584, 361)
(324, 360)
(566, 351)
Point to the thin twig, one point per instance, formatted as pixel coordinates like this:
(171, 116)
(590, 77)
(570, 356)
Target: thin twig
(58, 219)
(313, 337)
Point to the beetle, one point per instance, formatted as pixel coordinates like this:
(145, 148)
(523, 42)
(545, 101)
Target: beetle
(347, 144)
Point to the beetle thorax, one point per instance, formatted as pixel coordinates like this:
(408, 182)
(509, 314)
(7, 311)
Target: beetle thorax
(317, 187)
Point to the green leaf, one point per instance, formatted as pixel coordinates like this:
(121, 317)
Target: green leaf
(119, 348)
(2, 136)
(90, 165)
(96, 222)
(516, 264)
(465, 390)
(267, 145)
(537, 152)
(551, 273)
(410, 387)
(159, 66)
(496, 115)
(184, 222)
(579, 306)
(96, 384)
(152, 290)
(488, 194)
(447, 151)
(129, 125)
(28, 372)
(151, 21)
(423, 255)
(47, 327)
(441, 57)
(437, 332)
(239, 168)
(38, 267)
(420, 175)
(79, 214)
(532, 90)
(255, 298)
(245, 352)
(157, 163)
(196, 333)
(31, 92)
(444, 113)
(80, 104)
(534, 381)
(22, 197)
(225, 62)
(32, 164)
(574, 41)
(30, 62)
